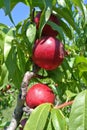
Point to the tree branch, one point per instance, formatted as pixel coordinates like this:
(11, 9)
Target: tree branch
(18, 112)
(64, 105)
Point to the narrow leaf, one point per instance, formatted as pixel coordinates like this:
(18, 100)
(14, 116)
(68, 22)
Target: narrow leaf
(3, 75)
(65, 13)
(38, 117)
(57, 28)
(31, 32)
(1, 4)
(58, 120)
(7, 9)
(45, 14)
(80, 4)
(11, 63)
(80, 59)
(50, 125)
(35, 3)
(21, 58)
(66, 29)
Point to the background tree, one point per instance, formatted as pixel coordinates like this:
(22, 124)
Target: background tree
(18, 71)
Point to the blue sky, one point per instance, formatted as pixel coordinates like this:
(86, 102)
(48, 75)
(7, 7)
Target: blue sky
(20, 12)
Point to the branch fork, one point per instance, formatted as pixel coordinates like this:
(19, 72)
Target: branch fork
(18, 112)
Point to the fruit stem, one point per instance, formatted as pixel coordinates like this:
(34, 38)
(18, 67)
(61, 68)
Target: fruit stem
(64, 105)
(40, 76)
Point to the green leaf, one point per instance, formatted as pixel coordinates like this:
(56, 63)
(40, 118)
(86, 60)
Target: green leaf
(66, 29)
(2, 4)
(7, 9)
(80, 4)
(85, 13)
(82, 68)
(3, 75)
(57, 28)
(3, 31)
(35, 3)
(21, 58)
(11, 60)
(3, 70)
(31, 33)
(80, 59)
(81, 63)
(12, 3)
(45, 14)
(50, 125)
(70, 94)
(38, 3)
(8, 42)
(58, 120)
(84, 77)
(38, 117)
(61, 2)
(78, 116)
(57, 75)
(11, 63)
(65, 14)
(2, 35)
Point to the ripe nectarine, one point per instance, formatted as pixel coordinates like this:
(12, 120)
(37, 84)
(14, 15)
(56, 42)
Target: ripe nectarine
(38, 94)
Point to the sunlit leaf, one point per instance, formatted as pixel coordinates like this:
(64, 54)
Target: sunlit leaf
(22, 60)
(66, 29)
(78, 116)
(34, 3)
(15, 75)
(65, 14)
(8, 42)
(50, 125)
(70, 94)
(79, 3)
(38, 118)
(61, 2)
(57, 75)
(3, 31)
(3, 75)
(58, 120)
(57, 28)
(31, 32)
(45, 14)
(80, 59)
(8, 10)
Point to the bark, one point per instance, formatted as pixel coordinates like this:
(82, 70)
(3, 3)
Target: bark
(18, 112)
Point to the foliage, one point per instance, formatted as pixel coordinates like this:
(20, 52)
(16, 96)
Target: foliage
(68, 81)
(45, 117)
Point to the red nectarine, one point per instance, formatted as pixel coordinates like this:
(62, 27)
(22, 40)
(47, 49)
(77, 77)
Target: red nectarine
(38, 94)
(47, 30)
(48, 53)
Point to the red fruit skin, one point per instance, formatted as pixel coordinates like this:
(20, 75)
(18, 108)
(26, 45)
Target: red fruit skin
(48, 53)
(47, 30)
(38, 94)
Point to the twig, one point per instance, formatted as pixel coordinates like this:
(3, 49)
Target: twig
(18, 112)
(40, 76)
(64, 105)
(28, 110)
